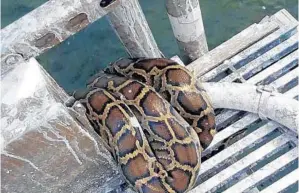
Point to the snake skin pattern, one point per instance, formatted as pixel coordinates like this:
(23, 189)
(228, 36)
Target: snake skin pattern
(178, 86)
(143, 109)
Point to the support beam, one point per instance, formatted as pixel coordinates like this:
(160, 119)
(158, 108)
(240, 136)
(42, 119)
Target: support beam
(132, 29)
(262, 100)
(45, 27)
(187, 25)
(45, 146)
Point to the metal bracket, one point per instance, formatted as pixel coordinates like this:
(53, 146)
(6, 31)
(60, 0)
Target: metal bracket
(70, 101)
(77, 110)
(266, 91)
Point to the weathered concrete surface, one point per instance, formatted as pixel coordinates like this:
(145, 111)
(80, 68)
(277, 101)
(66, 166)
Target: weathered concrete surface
(130, 25)
(44, 146)
(45, 27)
(187, 25)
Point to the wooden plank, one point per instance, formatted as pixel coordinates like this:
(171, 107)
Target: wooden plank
(219, 178)
(47, 26)
(264, 172)
(232, 47)
(289, 29)
(283, 183)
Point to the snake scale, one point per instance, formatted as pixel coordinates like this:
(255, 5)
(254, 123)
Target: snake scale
(154, 119)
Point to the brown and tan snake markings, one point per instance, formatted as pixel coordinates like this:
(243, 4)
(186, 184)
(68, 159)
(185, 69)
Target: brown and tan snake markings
(179, 149)
(178, 86)
(125, 140)
(142, 109)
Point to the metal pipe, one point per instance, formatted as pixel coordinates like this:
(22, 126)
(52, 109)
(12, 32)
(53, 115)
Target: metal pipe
(187, 25)
(255, 99)
(131, 27)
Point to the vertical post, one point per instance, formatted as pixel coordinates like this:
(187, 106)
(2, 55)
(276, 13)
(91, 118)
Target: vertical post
(187, 25)
(130, 25)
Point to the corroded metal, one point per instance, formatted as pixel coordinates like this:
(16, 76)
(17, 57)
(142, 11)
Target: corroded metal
(186, 21)
(48, 40)
(47, 26)
(263, 54)
(78, 22)
(45, 146)
(132, 28)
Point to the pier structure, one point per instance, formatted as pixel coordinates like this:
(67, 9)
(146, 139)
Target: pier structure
(48, 147)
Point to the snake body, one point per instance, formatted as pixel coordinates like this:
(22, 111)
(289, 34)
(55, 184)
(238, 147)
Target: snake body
(124, 138)
(178, 86)
(137, 106)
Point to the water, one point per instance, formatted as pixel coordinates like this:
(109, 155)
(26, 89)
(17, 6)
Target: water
(90, 50)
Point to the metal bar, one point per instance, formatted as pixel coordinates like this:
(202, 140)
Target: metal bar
(234, 45)
(292, 92)
(229, 56)
(284, 18)
(278, 66)
(283, 183)
(226, 174)
(253, 52)
(264, 172)
(286, 78)
(226, 115)
(274, 55)
(45, 27)
(230, 130)
(238, 146)
(187, 25)
(132, 29)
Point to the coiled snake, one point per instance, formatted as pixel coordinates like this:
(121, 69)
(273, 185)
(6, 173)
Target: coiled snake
(143, 108)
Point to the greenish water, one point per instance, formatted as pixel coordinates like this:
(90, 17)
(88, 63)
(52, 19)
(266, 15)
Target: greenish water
(87, 52)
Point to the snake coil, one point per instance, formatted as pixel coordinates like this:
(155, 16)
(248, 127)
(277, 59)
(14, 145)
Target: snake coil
(154, 119)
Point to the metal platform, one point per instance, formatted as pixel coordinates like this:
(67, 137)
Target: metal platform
(50, 148)
(249, 154)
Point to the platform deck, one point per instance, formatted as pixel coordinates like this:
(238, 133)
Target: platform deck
(249, 154)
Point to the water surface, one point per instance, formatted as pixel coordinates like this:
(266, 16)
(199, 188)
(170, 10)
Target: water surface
(80, 56)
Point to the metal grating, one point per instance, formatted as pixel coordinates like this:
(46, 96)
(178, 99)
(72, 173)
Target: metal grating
(249, 154)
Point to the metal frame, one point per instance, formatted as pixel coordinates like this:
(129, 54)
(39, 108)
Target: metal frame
(263, 149)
